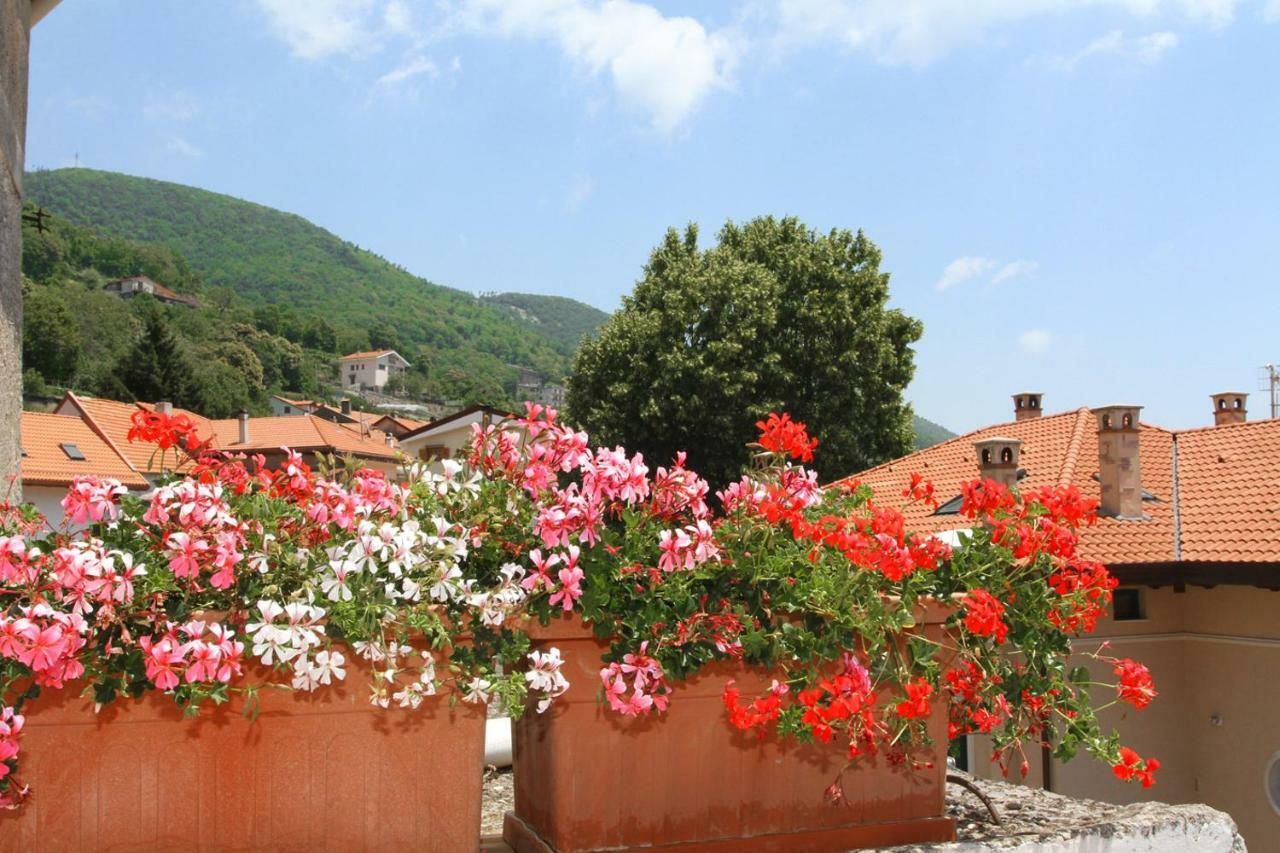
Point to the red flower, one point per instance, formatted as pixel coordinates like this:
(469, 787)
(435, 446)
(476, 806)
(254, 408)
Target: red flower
(780, 434)
(1136, 685)
(165, 430)
(983, 616)
(917, 702)
(1132, 767)
(920, 489)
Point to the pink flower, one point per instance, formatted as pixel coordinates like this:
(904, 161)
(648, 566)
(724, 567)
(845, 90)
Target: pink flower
(570, 588)
(185, 551)
(92, 498)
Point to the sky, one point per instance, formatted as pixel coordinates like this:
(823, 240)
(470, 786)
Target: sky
(1078, 197)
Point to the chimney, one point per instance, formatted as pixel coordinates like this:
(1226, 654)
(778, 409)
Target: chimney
(390, 439)
(1026, 404)
(345, 405)
(1119, 468)
(998, 459)
(1228, 408)
(164, 407)
(244, 427)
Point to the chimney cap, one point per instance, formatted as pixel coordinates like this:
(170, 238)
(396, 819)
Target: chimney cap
(1117, 415)
(996, 439)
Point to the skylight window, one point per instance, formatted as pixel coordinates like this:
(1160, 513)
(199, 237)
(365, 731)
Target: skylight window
(951, 507)
(72, 451)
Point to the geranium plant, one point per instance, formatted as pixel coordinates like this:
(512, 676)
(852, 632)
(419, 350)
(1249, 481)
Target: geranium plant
(232, 578)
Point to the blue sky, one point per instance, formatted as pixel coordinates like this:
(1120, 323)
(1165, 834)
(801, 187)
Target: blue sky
(1080, 197)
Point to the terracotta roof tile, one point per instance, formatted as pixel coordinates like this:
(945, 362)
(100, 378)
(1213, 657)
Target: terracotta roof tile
(1059, 449)
(299, 432)
(1229, 483)
(112, 419)
(45, 463)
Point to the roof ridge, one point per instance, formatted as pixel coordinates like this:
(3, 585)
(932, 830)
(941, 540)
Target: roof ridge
(953, 439)
(1210, 427)
(97, 430)
(1073, 448)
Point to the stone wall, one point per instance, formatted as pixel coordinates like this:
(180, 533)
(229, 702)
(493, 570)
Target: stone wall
(14, 43)
(1034, 821)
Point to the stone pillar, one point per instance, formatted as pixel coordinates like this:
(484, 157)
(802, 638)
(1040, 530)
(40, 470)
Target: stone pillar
(15, 32)
(1119, 461)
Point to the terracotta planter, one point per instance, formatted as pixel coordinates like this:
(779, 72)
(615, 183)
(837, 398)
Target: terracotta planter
(589, 780)
(322, 772)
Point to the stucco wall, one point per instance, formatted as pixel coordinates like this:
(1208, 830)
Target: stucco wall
(14, 42)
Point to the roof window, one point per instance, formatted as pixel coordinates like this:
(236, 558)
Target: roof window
(72, 451)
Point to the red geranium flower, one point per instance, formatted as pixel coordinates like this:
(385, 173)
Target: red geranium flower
(780, 434)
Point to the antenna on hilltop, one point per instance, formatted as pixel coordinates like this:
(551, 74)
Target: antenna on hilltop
(1269, 381)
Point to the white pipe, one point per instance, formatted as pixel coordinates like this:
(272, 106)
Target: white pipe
(497, 741)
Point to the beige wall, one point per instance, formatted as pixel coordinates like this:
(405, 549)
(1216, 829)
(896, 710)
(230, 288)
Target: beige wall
(1215, 657)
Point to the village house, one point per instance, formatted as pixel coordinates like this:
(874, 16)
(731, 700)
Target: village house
(445, 437)
(1190, 526)
(58, 448)
(371, 369)
(281, 406)
(127, 288)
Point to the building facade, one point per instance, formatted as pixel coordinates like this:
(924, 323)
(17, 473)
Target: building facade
(371, 369)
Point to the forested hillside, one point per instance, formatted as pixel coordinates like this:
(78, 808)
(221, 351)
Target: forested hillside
(565, 321)
(268, 257)
(928, 433)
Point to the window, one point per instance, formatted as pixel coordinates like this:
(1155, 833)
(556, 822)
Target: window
(1127, 605)
(951, 507)
(72, 451)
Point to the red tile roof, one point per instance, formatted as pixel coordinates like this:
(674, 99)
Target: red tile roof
(1227, 486)
(112, 419)
(299, 432)
(370, 354)
(45, 463)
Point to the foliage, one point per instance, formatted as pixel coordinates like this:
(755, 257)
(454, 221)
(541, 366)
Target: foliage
(775, 316)
(297, 274)
(50, 337)
(156, 368)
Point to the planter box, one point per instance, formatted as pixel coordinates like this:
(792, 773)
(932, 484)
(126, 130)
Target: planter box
(326, 771)
(587, 779)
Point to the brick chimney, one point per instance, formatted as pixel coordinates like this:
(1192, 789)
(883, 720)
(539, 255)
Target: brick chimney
(164, 407)
(244, 427)
(1228, 408)
(1119, 461)
(1026, 404)
(345, 405)
(998, 459)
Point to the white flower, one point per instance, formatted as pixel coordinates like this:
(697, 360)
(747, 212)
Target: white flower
(544, 676)
(477, 691)
(328, 666)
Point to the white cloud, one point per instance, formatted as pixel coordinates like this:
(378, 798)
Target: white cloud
(1271, 12)
(89, 106)
(664, 67)
(972, 267)
(1014, 269)
(963, 269)
(315, 29)
(413, 66)
(581, 188)
(181, 145)
(1035, 341)
(1146, 49)
(919, 32)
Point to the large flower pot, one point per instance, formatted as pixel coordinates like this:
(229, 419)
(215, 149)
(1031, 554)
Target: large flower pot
(589, 780)
(325, 771)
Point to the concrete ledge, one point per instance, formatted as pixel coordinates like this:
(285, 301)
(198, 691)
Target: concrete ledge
(1036, 821)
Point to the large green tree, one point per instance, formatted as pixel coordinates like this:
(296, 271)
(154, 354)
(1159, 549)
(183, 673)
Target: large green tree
(775, 317)
(156, 368)
(50, 336)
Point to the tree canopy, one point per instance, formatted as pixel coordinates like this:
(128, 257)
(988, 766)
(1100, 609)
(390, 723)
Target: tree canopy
(774, 317)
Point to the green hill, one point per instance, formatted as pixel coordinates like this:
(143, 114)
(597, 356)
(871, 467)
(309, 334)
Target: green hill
(268, 257)
(928, 433)
(565, 321)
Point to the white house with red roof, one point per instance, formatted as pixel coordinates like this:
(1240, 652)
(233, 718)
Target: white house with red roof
(371, 369)
(1190, 526)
